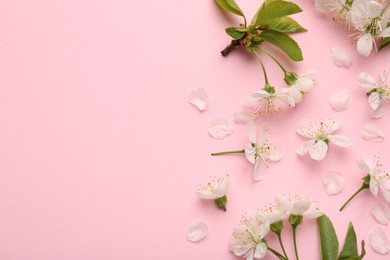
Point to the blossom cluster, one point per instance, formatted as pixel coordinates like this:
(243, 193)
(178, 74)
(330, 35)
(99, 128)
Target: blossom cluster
(368, 18)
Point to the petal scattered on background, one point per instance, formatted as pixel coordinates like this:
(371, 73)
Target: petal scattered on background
(220, 128)
(333, 182)
(199, 98)
(340, 101)
(197, 231)
(341, 57)
(381, 213)
(373, 134)
(379, 241)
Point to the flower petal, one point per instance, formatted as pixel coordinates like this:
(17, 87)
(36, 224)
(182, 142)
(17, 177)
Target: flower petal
(199, 98)
(251, 132)
(340, 101)
(244, 116)
(295, 94)
(364, 44)
(333, 182)
(255, 96)
(384, 74)
(374, 187)
(259, 170)
(374, 100)
(304, 148)
(250, 153)
(379, 112)
(197, 231)
(341, 57)
(260, 251)
(304, 84)
(373, 9)
(366, 80)
(275, 152)
(373, 134)
(301, 206)
(366, 164)
(318, 150)
(381, 213)
(306, 128)
(379, 241)
(340, 140)
(220, 128)
(263, 134)
(385, 188)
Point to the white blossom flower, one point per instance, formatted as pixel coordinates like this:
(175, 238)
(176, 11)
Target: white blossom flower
(215, 188)
(302, 86)
(367, 17)
(269, 102)
(340, 9)
(261, 149)
(320, 137)
(379, 179)
(197, 231)
(378, 93)
(297, 205)
(248, 238)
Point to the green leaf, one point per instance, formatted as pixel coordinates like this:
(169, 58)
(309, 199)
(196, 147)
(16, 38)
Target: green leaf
(285, 24)
(328, 238)
(350, 250)
(272, 10)
(235, 32)
(284, 42)
(230, 6)
(384, 42)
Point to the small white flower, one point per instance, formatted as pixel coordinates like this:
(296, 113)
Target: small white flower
(373, 134)
(302, 86)
(367, 17)
(320, 137)
(261, 149)
(213, 189)
(379, 241)
(199, 98)
(333, 182)
(197, 231)
(248, 238)
(341, 57)
(340, 101)
(381, 213)
(297, 205)
(378, 94)
(220, 128)
(269, 102)
(378, 177)
(338, 8)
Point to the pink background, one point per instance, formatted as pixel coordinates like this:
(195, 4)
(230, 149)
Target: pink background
(101, 152)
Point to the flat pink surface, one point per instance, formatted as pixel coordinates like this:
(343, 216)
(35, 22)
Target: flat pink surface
(101, 153)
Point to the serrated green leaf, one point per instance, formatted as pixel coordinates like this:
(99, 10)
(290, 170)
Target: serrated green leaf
(284, 24)
(230, 6)
(235, 33)
(284, 42)
(350, 250)
(272, 10)
(328, 239)
(384, 42)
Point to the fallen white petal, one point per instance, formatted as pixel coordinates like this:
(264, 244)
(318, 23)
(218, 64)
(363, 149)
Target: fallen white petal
(341, 57)
(379, 241)
(340, 101)
(333, 182)
(220, 128)
(381, 213)
(371, 133)
(197, 231)
(199, 98)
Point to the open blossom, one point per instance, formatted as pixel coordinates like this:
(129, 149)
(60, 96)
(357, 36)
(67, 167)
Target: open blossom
(261, 149)
(297, 205)
(248, 238)
(339, 8)
(320, 137)
(367, 17)
(378, 93)
(302, 86)
(213, 189)
(379, 179)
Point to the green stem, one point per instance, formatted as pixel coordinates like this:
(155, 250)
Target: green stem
(295, 241)
(363, 187)
(279, 255)
(274, 59)
(281, 244)
(264, 71)
(229, 152)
